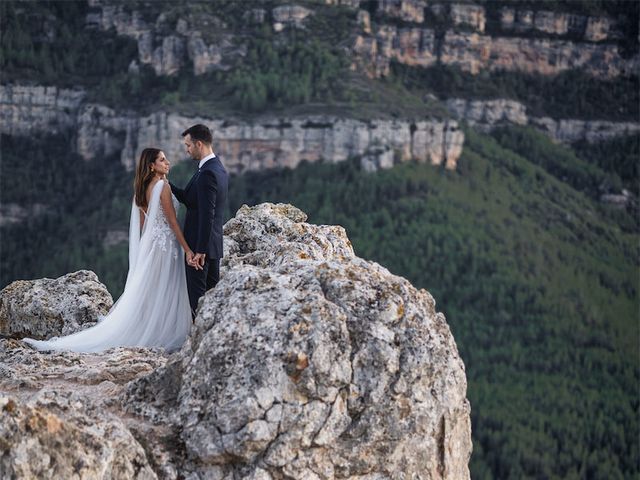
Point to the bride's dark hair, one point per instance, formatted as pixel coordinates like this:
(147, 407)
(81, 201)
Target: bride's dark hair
(144, 175)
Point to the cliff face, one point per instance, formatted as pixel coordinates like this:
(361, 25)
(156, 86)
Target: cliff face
(265, 143)
(590, 28)
(304, 362)
(398, 30)
(487, 114)
(573, 41)
(170, 46)
(26, 110)
(474, 52)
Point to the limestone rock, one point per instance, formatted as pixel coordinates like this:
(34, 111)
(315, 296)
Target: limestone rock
(590, 28)
(169, 57)
(592, 131)
(269, 142)
(214, 56)
(168, 48)
(474, 52)
(488, 112)
(46, 439)
(289, 16)
(345, 3)
(308, 362)
(598, 28)
(550, 22)
(27, 110)
(408, 45)
(408, 10)
(469, 51)
(262, 143)
(59, 414)
(364, 20)
(304, 362)
(102, 131)
(468, 14)
(485, 115)
(45, 308)
(376, 159)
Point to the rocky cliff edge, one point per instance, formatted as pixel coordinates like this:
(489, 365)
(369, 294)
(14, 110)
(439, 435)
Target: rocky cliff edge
(304, 362)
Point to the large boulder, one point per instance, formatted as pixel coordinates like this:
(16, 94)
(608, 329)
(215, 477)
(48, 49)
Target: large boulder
(308, 362)
(47, 307)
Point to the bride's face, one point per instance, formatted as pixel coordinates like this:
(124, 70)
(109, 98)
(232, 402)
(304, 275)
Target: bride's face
(161, 164)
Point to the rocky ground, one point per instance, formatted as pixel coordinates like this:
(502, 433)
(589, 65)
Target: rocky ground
(304, 362)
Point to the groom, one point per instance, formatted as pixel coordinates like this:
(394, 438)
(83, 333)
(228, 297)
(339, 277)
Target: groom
(205, 197)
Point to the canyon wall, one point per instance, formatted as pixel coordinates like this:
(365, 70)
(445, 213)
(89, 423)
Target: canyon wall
(265, 142)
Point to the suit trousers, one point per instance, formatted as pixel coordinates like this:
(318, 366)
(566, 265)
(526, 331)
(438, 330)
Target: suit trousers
(199, 281)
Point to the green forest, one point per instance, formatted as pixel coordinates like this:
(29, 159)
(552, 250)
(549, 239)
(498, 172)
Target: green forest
(537, 277)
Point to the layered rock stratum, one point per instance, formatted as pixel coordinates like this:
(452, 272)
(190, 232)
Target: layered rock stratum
(304, 362)
(262, 143)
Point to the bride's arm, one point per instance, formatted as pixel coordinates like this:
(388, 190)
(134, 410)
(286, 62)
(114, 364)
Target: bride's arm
(170, 212)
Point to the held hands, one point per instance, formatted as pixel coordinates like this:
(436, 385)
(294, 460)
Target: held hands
(195, 260)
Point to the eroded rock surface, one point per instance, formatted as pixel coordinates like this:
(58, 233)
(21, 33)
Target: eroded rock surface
(60, 416)
(308, 362)
(304, 362)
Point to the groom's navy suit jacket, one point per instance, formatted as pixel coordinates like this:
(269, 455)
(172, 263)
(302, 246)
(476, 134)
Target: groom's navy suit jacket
(205, 197)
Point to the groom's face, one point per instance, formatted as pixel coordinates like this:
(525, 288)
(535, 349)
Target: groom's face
(194, 149)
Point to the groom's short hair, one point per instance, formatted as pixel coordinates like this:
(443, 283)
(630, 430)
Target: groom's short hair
(199, 132)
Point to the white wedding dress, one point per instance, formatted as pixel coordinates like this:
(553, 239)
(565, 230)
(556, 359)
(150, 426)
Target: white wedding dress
(153, 310)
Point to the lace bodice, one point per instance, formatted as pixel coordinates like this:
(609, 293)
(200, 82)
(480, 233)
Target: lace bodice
(162, 237)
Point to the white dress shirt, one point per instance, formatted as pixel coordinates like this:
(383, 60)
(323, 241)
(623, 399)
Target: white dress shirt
(205, 159)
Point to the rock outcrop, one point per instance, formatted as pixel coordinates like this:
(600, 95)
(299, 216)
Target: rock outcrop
(28, 110)
(304, 362)
(170, 46)
(485, 115)
(568, 40)
(308, 362)
(286, 141)
(289, 16)
(473, 52)
(52, 307)
(473, 16)
(408, 10)
(592, 131)
(262, 143)
(590, 28)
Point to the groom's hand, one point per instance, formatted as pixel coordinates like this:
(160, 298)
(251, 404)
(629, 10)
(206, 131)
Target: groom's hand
(198, 259)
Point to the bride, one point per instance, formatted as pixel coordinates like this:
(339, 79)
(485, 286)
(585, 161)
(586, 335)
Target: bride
(153, 310)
